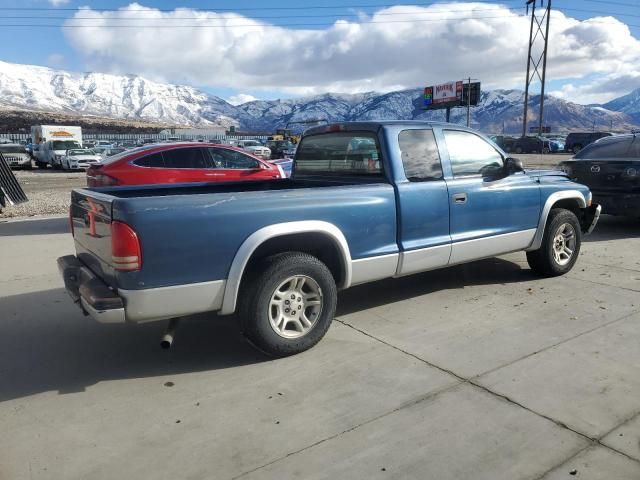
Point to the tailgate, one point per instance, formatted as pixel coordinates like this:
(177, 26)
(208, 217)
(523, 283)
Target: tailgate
(608, 175)
(91, 219)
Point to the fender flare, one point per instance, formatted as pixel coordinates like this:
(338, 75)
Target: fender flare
(257, 238)
(548, 205)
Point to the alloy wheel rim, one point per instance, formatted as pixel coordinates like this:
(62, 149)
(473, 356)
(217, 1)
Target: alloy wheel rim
(564, 244)
(295, 306)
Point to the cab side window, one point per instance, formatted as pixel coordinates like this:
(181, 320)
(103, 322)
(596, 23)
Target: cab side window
(470, 155)
(420, 156)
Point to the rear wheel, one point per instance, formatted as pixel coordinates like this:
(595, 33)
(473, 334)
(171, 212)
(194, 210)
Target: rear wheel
(41, 164)
(560, 245)
(576, 148)
(545, 150)
(288, 303)
(518, 150)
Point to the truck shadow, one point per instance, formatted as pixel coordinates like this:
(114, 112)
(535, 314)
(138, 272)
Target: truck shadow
(491, 271)
(614, 228)
(48, 345)
(44, 226)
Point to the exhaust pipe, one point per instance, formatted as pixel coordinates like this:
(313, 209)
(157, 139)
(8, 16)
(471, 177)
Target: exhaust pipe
(169, 333)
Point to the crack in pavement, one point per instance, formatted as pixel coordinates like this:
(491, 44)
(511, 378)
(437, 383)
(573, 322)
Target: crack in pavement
(469, 381)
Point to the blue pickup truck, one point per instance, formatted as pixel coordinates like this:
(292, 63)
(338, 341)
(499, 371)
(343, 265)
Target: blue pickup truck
(366, 201)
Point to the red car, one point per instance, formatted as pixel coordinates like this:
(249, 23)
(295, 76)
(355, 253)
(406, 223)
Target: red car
(180, 163)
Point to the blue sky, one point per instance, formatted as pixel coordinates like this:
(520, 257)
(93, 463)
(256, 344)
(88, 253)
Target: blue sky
(50, 46)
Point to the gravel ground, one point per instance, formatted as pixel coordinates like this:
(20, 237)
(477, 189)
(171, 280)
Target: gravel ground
(48, 190)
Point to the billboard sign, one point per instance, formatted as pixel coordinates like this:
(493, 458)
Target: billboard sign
(428, 96)
(449, 92)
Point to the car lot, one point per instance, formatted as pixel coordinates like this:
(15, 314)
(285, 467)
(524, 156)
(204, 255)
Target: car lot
(48, 190)
(480, 371)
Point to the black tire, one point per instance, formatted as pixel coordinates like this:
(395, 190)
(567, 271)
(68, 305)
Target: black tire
(543, 261)
(41, 164)
(257, 292)
(576, 148)
(518, 150)
(546, 150)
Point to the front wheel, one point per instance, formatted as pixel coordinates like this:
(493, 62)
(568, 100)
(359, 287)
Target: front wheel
(288, 303)
(518, 150)
(560, 245)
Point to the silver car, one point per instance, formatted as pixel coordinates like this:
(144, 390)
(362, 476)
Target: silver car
(79, 158)
(15, 155)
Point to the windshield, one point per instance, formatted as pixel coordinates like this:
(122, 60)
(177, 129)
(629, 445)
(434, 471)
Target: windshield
(251, 143)
(64, 144)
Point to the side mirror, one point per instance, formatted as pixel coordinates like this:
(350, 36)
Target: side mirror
(513, 165)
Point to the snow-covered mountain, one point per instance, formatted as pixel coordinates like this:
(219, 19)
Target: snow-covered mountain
(497, 111)
(629, 104)
(130, 97)
(115, 96)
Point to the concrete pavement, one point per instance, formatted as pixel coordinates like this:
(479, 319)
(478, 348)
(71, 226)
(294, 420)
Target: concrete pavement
(480, 371)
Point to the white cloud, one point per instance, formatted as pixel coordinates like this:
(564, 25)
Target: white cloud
(240, 98)
(602, 89)
(58, 3)
(56, 60)
(378, 52)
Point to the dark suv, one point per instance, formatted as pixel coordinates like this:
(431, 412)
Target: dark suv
(578, 140)
(531, 145)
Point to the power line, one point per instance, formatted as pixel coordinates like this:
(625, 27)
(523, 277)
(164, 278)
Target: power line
(336, 15)
(309, 7)
(355, 15)
(609, 2)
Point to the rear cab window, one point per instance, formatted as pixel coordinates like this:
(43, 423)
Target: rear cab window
(340, 154)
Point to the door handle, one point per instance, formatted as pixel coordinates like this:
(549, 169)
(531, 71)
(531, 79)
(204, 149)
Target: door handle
(459, 198)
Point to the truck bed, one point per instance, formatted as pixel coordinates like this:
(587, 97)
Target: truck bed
(191, 233)
(233, 187)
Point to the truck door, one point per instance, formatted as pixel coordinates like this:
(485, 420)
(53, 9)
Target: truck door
(491, 213)
(423, 229)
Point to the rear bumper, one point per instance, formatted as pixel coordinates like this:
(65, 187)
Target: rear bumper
(619, 203)
(96, 299)
(89, 292)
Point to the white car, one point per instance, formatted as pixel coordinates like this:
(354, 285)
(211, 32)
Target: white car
(255, 148)
(79, 158)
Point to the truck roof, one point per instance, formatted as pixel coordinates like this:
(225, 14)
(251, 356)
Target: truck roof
(371, 126)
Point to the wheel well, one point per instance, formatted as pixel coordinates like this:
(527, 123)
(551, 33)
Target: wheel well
(569, 204)
(320, 245)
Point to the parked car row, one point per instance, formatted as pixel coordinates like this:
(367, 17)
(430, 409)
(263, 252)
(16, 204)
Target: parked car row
(572, 143)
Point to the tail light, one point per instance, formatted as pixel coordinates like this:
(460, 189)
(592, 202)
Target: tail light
(125, 248)
(95, 178)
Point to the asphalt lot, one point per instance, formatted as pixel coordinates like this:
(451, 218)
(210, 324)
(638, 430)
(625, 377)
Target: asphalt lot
(481, 371)
(48, 189)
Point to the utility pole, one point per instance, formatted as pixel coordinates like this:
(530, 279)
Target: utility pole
(533, 63)
(469, 103)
